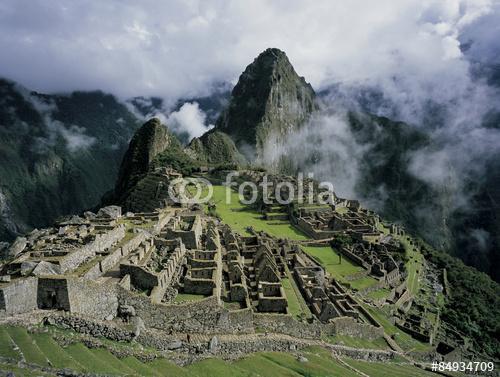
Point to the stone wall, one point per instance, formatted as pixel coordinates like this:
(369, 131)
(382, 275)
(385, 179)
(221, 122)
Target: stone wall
(190, 238)
(164, 219)
(102, 242)
(227, 347)
(285, 324)
(139, 276)
(134, 243)
(89, 298)
(349, 327)
(204, 316)
(19, 296)
(90, 327)
(405, 297)
(306, 227)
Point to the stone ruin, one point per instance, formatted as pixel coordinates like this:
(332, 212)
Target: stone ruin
(326, 222)
(178, 269)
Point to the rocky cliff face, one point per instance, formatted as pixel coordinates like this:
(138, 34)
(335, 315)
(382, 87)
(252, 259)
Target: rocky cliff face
(148, 142)
(215, 148)
(270, 99)
(145, 173)
(58, 154)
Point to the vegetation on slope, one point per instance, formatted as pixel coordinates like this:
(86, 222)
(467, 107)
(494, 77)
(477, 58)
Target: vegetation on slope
(473, 302)
(42, 350)
(58, 154)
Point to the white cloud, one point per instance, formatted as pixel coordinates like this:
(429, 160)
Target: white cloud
(190, 119)
(178, 48)
(74, 137)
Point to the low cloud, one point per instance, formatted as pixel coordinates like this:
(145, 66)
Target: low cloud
(180, 49)
(325, 147)
(73, 136)
(189, 119)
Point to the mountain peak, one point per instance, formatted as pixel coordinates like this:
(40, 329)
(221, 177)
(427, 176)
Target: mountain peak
(272, 55)
(270, 98)
(150, 139)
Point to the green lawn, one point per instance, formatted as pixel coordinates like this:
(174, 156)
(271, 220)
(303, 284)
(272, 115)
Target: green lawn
(17, 371)
(217, 367)
(167, 369)
(112, 361)
(37, 348)
(329, 259)
(296, 304)
(27, 346)
(139, 368)
(318, 365)
(379, 294)
(388, 369)
(264, 367)
(240, 216)
(414, 267)
(88, 360)
(339, 268)
(55, 353)
(7, 346)
(404, 340)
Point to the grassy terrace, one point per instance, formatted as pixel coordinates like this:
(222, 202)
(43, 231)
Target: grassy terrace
(296, 304)
(239, 217)
(414, 265)
(42, 350)
(337, 268)
(385, 369)
(404, 340)
(379, 294)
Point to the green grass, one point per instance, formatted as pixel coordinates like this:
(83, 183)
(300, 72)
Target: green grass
(379, 294)
(111, 360)
(388, 369)
(414, 267)
(264, 367)
(404, 340)
(55, 353)
(7, 347)
(167, 369)
(341, 210)
(296, 304)
(138, 367)
(217, 367)
(37, 348)
(317, 365)
(362, 283)
(329, 259)
(18, 371)
(27, 345)
(240, 216)
(89, 360)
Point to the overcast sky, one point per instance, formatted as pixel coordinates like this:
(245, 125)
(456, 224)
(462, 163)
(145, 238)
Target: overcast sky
(176, 48)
